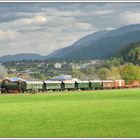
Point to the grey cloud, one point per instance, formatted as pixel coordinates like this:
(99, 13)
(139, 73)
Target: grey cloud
(23, 27)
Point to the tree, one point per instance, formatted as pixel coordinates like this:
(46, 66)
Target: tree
(76, 73)
(103, 73)
(90, 70)
(130, 53)
(115, 73)
(130, 72)
(113, 61)
(89, 73)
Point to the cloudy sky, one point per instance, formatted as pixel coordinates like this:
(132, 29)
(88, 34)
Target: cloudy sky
(44, 27)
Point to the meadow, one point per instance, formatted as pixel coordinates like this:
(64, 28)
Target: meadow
(83, 114)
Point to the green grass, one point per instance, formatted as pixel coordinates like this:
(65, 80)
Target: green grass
(108, 113)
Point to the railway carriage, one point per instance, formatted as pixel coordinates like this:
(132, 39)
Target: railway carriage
(83, 85)
(133, 84)
(52, 85)
(34, 86)
(119, 83)
(96, 84)
(108, 84)
(69, 85)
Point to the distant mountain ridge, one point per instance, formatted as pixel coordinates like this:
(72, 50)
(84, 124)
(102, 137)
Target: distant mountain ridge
(99, 45)
(87, 40)
(105, 48)
(20, 57)
(123, 30)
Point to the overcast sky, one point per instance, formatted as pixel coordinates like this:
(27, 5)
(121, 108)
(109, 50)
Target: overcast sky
(44, 27)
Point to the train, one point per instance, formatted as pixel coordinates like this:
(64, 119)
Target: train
(66, 85)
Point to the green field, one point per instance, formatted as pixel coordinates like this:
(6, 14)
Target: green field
(108, 113)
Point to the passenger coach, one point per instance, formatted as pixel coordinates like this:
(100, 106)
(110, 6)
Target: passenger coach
(52, 85)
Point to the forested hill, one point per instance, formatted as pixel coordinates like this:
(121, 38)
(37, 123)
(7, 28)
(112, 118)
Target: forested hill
(130, 53)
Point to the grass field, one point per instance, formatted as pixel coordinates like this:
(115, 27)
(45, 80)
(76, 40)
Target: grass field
(108, 113)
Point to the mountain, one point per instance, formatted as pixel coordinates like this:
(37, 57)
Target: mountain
(123, 30)
(99, 45)
(87, 40)
(20, 57)
(105, 48)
